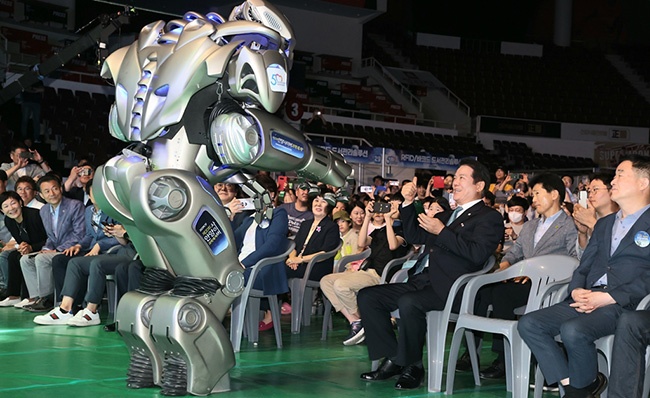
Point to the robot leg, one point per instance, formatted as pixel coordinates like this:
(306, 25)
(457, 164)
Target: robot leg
(133, 318)
(194, 344)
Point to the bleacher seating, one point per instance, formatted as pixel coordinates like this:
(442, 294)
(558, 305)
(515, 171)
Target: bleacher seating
(566, 84)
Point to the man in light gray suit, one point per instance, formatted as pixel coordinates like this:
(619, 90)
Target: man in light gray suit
(63, 220)
(552, 233)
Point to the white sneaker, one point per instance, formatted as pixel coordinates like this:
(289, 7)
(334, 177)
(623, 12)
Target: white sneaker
(54, 317)
(23, 303)
(84, 318)
(9, 302)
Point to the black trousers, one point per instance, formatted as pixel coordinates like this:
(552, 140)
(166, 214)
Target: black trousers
(504, 297)
(628, 355)
(127, 277)
(413, 299)
(15, 281)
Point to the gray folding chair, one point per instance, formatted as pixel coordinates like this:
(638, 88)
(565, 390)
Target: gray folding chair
(543, 272)
(302, 292)
(340, 267)
(246, 307)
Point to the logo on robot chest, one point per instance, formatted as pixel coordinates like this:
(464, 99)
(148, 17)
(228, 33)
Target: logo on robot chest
(208, 229)
(277, 78)
(287, 145)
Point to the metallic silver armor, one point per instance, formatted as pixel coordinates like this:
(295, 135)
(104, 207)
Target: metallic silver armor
(195, 97)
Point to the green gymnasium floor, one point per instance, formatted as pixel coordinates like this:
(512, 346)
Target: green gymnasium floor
(62, 361)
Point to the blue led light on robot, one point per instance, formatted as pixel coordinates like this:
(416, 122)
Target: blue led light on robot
(215, 17)
(162, 91)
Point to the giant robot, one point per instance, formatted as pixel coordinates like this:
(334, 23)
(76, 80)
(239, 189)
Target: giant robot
(195, 97)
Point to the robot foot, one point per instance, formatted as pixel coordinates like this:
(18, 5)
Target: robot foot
(140, 374)
(174, 376)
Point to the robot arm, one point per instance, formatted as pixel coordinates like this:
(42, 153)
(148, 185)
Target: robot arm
(261, 141)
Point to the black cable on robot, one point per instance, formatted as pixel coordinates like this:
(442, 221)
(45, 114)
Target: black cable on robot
(156, 281)
(186, 286)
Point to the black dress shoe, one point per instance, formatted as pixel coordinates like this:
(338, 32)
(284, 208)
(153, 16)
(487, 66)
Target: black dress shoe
(464, 363)
(386, 370)
(28, 307)
(42, 305)
(496, 371)
(411, 378)
(110, 327)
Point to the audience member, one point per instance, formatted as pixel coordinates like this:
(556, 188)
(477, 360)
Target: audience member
(357, 215)
(127, 278)
(255, 243)
(74, 186)
(63, 219)
(29, 234)
(21, 166)
(27, 189)
(315, 236)
(298, 211)
(88, 273)
(471, 236)
(502, 187)
(341, 288)
(552, 233)
(228, 194)
(349, 236)
(568, 184)
(6, 241)
(317, 123)
(628, 366)
(517, 208)
(599, 204)
(94, 242)
(607, 283)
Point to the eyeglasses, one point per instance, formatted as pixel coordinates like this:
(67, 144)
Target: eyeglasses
(596, 190)
(226, 187)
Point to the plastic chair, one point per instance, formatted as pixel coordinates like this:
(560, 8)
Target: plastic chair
(340, 267)
(604, 347)
(543, 271)
(302, 289)
(111, 289)
(437, 322)
(246, 307)
(396, 262)
(111, 295)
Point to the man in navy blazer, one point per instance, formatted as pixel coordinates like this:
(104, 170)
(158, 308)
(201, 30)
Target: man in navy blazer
(456, 244)
(608, 282)
(63, 220)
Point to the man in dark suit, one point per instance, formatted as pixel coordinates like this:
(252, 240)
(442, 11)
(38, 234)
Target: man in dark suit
(607, 283)
(63, 220)
(456, 244)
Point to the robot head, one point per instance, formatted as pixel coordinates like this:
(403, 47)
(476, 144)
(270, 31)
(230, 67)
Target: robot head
(258, 73)
(262, 12)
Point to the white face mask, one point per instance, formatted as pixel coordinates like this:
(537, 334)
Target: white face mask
(515, 217)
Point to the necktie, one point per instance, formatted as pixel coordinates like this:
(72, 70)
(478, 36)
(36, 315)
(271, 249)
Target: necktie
(421, 262)
(454, 215)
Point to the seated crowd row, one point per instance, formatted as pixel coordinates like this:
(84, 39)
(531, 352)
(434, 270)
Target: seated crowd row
(62, 253)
